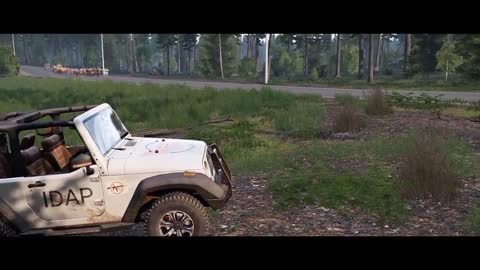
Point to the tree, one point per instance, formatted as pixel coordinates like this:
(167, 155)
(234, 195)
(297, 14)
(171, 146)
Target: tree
(209, 62)
(339, 57)
(165, 42)
(408, 46)
(9, 64)
(220, 54)
(448, 59)
(379, 53)
(370, 59)
(469, 47)
(422, 58)
(361, 55)
(189, 42)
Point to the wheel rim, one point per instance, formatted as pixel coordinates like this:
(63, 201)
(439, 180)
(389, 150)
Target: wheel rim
(176, 223)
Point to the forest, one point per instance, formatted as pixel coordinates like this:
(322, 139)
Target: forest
(450, 58)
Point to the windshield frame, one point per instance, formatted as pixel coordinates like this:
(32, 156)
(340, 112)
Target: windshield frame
(93, 135)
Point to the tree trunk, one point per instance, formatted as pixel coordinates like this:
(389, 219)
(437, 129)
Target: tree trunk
(179, 67)
(129, 54)
(269, 55)
(339, 57)
(446, 72)
(408, 45)
(135, 54)
(194, 56)
(257, 52)
(379, 53)
(370, 60)
(25, 48)
(306, 55)
(220, 51)
(189, 62)
(360, 56)
(168, 60)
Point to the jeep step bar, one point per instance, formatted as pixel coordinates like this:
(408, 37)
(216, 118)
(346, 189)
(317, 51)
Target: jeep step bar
(80, 230)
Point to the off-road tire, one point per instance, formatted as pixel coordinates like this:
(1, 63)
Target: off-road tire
(177, 201)
(6, 230)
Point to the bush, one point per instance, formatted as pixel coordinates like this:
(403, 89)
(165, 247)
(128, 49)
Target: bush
(348, 120)
(314, 75)
(424, 102)
(8, 62)
(247, 68)
(346, 99)
(427, 170)
(377, 103)
(472, 223)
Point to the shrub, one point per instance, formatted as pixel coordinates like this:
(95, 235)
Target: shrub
(346, 99)
(377, 103)
(314, 75)
(348, 120)
(247, 68)
(427, 170)
(8, 62)
(424, 102)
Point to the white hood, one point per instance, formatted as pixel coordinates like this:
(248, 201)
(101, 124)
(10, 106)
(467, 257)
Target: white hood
(156, 155)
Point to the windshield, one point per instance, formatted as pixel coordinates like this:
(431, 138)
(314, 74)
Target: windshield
(106, 129)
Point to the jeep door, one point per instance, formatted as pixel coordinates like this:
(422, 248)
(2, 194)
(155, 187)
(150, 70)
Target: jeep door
(68, 196)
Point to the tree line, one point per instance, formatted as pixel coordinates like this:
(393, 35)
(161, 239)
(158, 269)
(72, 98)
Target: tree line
(293, 57)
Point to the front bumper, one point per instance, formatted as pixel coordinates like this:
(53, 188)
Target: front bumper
(223, 177)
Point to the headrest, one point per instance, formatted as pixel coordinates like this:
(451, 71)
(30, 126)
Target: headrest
(27, 141)
(50, 142)
(31, 155)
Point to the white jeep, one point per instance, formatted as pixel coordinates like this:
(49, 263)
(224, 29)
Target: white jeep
(111, 181)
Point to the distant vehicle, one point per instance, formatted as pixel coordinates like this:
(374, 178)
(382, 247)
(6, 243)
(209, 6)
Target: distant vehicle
(111, 182)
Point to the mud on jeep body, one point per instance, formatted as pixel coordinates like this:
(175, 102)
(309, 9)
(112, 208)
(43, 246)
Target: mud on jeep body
(110, 181)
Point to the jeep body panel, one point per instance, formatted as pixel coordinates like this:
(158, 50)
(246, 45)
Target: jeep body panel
(125, 175)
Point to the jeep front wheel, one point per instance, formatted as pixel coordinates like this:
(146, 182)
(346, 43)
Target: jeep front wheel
(177, 214)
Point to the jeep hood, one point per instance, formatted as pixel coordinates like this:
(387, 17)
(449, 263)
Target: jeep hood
(138, 155)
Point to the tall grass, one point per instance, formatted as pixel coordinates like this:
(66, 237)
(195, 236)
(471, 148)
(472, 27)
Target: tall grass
(154, 106)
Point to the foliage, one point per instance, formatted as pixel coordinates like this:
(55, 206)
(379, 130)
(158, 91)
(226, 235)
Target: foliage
(420, 102)
(427, 169)
(447, 59)
(377, 103)
(9, 65)
(348, 119)
(209, 62)
(247, 68)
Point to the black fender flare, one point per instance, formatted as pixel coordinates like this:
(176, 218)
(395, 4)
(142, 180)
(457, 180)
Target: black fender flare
(212, 193)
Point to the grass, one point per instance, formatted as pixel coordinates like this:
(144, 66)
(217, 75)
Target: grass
(472, 223)
(152, 106)
(373, 190)
(298, 173)
(349, 99)
(418, 83)
(427, 169)
(461, 112)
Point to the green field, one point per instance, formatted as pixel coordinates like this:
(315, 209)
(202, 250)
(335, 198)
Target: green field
(273, 133)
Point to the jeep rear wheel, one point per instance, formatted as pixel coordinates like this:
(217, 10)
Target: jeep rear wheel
(6, 230)
(177, 214)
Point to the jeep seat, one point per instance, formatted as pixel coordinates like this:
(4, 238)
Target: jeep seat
(27, 141)
(80, 161)
(5, 169)
(56, 152)
(34, 163)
